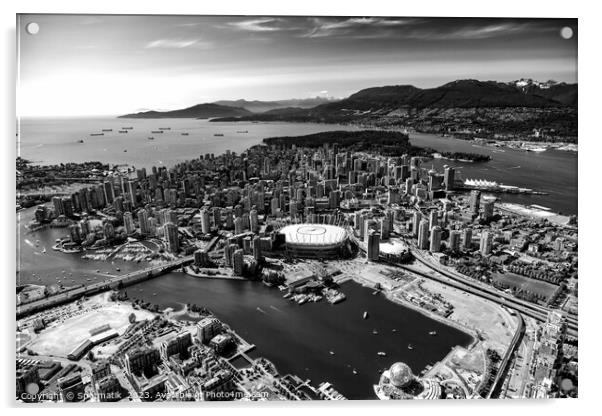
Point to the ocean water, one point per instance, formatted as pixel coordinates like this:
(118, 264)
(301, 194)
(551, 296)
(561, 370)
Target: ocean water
(50, 141)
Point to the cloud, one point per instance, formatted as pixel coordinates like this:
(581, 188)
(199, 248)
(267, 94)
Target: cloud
(256, 25)
(354, 27)
(417, 28)
(475, 31)
(178, 44)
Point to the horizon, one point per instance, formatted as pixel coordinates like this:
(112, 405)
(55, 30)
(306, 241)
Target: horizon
(126, 64)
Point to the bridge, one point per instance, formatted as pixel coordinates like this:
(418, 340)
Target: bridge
(125, 279)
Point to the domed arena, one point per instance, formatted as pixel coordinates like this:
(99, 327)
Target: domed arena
(314, 240)
(399, 383)
(400, 374)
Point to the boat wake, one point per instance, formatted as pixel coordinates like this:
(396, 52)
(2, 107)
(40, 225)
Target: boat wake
(261, 310)
(275, 308)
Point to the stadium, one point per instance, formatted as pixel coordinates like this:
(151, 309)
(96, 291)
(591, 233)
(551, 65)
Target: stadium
(315, 240)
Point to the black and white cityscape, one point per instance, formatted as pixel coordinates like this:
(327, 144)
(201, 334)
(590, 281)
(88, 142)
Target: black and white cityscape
(258, 208)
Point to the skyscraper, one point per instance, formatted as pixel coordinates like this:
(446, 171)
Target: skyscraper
(257, 248)
(423, 234)
(435, 239)
(254, 221)
(448, 178)
(433, 218)
(143, 222)
(454, 240)
(131, 191)
(238, 262)
(475, 197)
(467, 239)
(205, 222)
(416, 222)
(373, 245)
(57, 203)
(488, 205)
(128, 222)
(170, 232)
(486, 243)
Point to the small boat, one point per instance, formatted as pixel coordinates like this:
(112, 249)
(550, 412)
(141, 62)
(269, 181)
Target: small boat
(184, 134)
(117, 269)
(365, 315)
(394, 330)
(218, 135)
(123, 131)
(164, 128)
(156, 131)
(243, 131)
(127, 128)
(410, 347)
(331, 352)
(355, 371)
(374, 332)
(154, 294)
(97, 271)
(80, 141)
(44, 250)
(151, 138)
(125, 150)
(107, 129)
(433, 333)
(97, 134)
(382, 353)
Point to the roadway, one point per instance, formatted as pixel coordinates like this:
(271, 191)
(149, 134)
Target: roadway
(520, 331)
(530, 309)
(125, 279)
(458, 281)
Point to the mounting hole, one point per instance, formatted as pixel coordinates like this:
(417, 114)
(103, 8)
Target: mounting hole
(566, 32)
(32, 28)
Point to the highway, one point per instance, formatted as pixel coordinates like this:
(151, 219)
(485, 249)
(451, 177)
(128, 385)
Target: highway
(126, 280)
(518, 335)
(530, 309)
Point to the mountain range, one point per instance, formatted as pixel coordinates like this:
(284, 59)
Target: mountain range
(515, 106)
(230, 108)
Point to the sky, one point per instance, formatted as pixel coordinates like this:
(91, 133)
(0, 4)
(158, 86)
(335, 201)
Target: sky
(79, 65)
